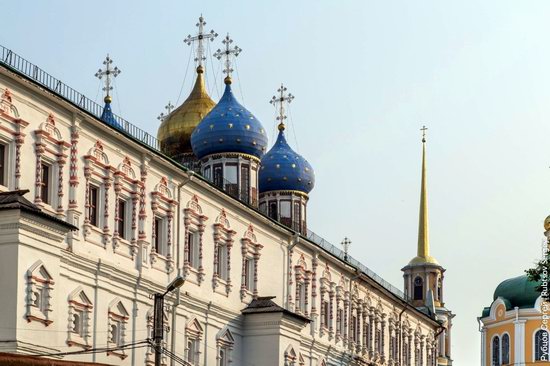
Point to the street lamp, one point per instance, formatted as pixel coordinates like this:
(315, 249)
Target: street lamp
(158, 317)
(346, 243)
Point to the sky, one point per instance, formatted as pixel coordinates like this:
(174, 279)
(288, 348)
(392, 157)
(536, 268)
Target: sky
(366, 75)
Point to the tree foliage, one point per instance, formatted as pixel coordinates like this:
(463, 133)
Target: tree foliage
(541, 273)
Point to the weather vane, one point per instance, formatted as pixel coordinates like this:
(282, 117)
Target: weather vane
(227, 53)
(424, 129)
(200, 38)
(279, 103)
(108, 72)
(168, 108)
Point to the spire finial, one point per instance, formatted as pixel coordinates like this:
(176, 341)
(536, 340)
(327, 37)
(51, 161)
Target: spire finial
(108, 72)
(227, 54)
(168, 108)
(279, 103)
(423, 229)
(200, 38)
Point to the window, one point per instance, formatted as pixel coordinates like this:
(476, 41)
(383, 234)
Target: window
(192, 350)
(340, 321)
(2, 164)
(505, 349)
(222, 359)
(222, 262)
(77, 323)
(418, 289)
(272, 210)
(301, 300)
(121, 219)
(245, 183)
(541, 345)
(80, 308)
(353, 328)
(231, 180)
(159, 239)
(45, 183)
(193, 250)
(93, 207)
(439, 292)
(496, 351)
(114, 333)
(218, 175)
(263, 208)
(285, 213)
(118, 318)
(208, 173)
(297, 216)
(38, 294)
(249, 274)
(325, 314)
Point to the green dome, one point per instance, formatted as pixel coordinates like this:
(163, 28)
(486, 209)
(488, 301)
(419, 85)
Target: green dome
(519, 291)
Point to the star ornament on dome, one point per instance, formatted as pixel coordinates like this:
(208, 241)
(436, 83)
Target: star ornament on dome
(107, 74)
(200, 38)
(279, 103)
(227, 54)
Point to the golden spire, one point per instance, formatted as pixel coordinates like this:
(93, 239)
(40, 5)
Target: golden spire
(423, 251)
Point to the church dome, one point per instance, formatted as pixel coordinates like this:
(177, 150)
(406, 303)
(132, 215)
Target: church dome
(519, 291)
(285, 170)
(229, 127)
(175, 131)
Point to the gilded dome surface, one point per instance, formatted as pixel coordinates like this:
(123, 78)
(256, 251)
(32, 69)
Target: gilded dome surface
(547, 223)
(175, 131)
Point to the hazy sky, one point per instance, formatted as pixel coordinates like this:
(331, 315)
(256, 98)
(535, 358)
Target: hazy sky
(366, 75)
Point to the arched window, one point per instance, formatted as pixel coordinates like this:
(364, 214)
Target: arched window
(418, 289)
(439, 291)
(505, 349)
(496, 351)
(541, 345)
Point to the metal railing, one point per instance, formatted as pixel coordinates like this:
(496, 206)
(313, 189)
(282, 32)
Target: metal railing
(337, 252)
(13, 61)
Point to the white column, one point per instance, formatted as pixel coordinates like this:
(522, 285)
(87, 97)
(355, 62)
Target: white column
(483, 346)
(519, 341)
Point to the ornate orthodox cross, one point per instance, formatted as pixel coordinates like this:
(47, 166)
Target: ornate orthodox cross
(424, 129)
(345, 244)
(279, 103)
(227, 53)
(200, 38)
(168, 108)
(108, 72)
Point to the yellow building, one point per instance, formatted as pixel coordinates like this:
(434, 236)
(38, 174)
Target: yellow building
(513, 329)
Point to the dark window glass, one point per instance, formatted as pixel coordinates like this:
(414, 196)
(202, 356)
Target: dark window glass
(158, 235)
(121, 220)
(93, 205)
(218, 175)
(439, 291)
(272, 210)
(285, 213)
(505, 349)
(231, 180)
(496, 351)
(245, 183)
(297, 216)
(45, 183)
(418, 289)
(2, 165)
(541, 345)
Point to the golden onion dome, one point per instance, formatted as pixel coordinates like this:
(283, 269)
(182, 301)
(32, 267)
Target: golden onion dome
(547, 223)
(175, 131)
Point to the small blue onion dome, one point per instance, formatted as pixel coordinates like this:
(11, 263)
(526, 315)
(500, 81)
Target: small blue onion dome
(107, 115)
(229, 127)
(283, 169)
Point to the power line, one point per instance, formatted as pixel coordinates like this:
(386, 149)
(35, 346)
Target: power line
(134, 345)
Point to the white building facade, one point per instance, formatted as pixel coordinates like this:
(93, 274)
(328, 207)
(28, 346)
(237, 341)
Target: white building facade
(256, 292)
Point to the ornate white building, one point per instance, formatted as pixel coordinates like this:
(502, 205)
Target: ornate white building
(95, 217)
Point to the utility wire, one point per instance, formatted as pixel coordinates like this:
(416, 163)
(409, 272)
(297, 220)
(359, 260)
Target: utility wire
(185, 76)
(134, 345)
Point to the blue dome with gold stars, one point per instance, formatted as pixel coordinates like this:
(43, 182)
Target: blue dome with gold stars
(283, 169)
(229, 127)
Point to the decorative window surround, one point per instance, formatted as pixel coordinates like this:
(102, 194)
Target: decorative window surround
(163, 205)
(290, 356)
(142, 215)
(224, 343)
(11, 133)
(97, 168)
(50, 147)
(193, 331)
(150, 353)
(194, 220)
(250, 249)
(326, 296)
(223, 235)
(79, 327)
(126, 187)
(302, 277)
(118, 318)
(39, 287)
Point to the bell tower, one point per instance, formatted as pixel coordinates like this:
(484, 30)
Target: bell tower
(423, 275)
